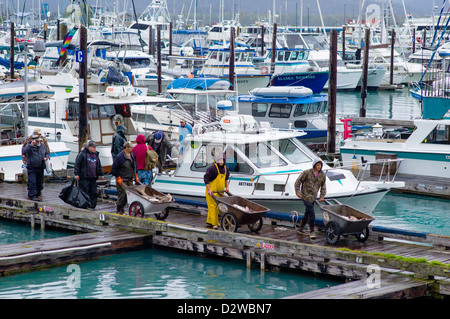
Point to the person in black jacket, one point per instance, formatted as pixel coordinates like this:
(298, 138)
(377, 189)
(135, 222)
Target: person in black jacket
(87, 170)
(35, 154)
(124, 168)
(118, 140)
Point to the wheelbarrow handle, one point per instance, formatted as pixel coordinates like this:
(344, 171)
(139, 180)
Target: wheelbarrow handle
(327, 202)
(224, 192)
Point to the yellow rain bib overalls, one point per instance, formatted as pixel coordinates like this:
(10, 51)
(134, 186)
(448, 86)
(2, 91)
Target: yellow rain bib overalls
(218, 184)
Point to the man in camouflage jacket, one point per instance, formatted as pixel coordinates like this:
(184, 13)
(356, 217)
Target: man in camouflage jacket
(306, 187)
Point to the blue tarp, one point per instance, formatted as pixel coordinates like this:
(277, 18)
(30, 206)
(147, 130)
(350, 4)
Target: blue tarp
(199, 83)
(7, 63)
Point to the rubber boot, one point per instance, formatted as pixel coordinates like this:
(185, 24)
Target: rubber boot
(312, 233)
(301, 229)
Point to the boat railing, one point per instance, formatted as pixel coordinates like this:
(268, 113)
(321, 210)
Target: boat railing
(387, 173)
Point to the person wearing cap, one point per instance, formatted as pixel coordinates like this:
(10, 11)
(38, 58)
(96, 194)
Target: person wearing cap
(183, 130)
(118, 140)
(124, 168)
(36, 132)
(87, 170)
(35, 154)
(216, 180)
(161, 145)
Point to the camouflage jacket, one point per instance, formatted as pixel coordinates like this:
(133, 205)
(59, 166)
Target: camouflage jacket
(310, 185)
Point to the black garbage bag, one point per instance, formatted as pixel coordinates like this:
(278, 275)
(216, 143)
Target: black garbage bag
(73, 195)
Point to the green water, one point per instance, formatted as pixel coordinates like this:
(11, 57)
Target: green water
(158, 274)
(398, 104)
(15, 232)
(414, 212)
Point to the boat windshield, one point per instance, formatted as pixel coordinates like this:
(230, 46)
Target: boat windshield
(262, 155)
(290, 151)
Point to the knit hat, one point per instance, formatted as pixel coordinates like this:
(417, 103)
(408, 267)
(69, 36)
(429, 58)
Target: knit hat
(158, 137)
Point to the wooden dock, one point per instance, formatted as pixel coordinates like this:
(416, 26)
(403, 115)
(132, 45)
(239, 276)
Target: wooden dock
(421, 257)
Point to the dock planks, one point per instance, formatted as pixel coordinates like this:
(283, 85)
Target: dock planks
(277, 244)
(40, 253)
(389, 287)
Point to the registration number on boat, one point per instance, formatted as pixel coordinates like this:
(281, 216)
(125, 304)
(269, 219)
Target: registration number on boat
(266, 246)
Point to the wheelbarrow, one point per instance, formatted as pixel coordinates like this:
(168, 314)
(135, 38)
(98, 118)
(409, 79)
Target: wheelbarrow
(342, 220)
(236, 211)
(146, 200)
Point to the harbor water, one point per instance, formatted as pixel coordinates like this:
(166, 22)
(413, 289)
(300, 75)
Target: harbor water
(153, 273)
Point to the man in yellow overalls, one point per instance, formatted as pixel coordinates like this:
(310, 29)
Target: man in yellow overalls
(216, 179)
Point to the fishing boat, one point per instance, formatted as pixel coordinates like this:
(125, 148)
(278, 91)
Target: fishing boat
(264, 164)
(15, 91)
(246, 77)
(201, 97)
(291, 68)
(288, 107)
(425, 152)
(12, 124)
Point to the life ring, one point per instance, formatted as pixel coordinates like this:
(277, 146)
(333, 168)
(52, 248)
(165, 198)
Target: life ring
(264, 69)
(117, 120)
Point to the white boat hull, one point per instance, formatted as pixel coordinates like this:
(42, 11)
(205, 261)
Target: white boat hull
(364, 199)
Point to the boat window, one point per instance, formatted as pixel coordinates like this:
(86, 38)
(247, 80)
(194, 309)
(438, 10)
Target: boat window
(323, 107)
(287, 54)
(313, 108)
(234, 162)
(294, 55)
(144, 118)
(259, 109)
(290, 151)
(237, 56)
(300, 109)
(439, 135)
(300, 124)
(261, 155)
(39, 110)
(280, 110)
(280, 56)
(213, 55)
(244, 56)
(220, 56)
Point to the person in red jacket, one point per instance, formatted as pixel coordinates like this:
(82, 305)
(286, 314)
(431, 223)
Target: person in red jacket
(140, 150)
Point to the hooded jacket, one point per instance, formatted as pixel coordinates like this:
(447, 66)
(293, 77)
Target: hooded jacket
(307, 184)
(118, 140)
(140, 150)
(162, 148)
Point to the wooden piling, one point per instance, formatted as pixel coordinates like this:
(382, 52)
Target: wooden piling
(332, 81)
(274, 47)
(362, 110)
(262, 40)
(83, 129)
(231, 67)
(158, 54)
(391, 78)
(12, 45)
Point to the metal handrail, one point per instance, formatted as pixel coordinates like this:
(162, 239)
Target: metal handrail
(359, 177)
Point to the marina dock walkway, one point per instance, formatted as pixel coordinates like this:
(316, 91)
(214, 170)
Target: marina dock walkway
(417, 256)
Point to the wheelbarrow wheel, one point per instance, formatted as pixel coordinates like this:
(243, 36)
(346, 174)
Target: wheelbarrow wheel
(163, 215)
(363, 236)
(136, 209)
(255, 227)
(229, 223)
(332, 232)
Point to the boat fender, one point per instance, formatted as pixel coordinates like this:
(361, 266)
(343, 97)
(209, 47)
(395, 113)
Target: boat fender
(117, 120)
(264, 69)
